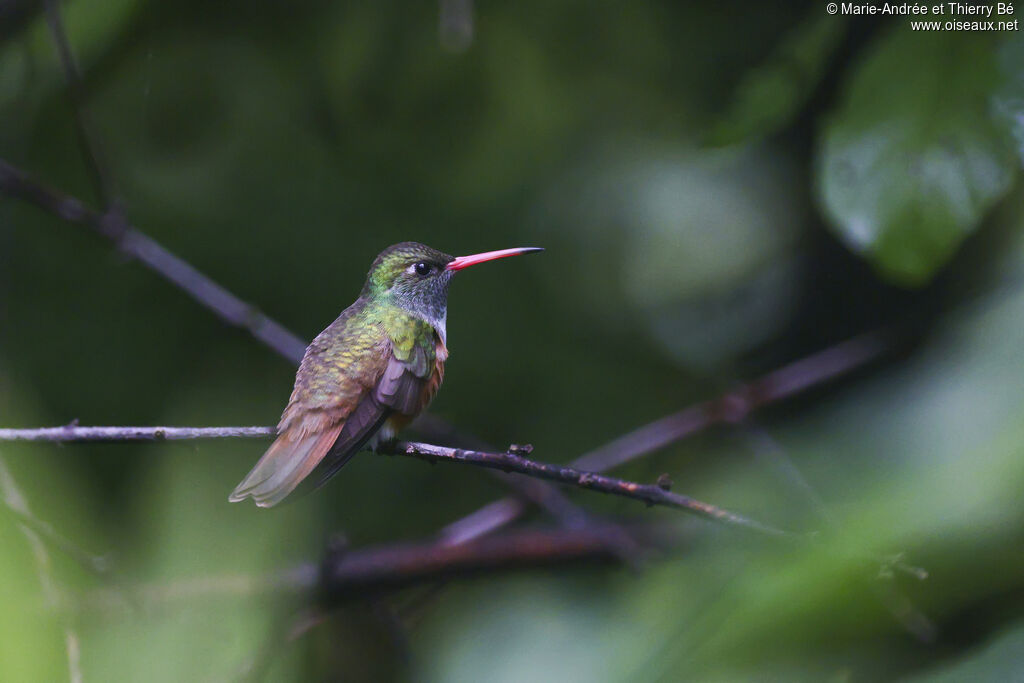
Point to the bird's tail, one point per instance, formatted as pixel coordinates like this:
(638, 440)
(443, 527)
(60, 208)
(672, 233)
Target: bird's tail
(287, 462)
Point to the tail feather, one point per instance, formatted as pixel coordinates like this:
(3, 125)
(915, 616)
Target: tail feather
(286, 463)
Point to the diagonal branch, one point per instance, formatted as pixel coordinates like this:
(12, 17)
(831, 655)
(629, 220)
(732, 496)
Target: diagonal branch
(130, 242)
(734, 406)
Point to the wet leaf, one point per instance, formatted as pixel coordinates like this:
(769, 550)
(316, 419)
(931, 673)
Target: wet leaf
(913, 158)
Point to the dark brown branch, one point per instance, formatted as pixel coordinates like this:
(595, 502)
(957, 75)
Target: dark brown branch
(129, 241)
(730, 408)
(356, 573)
(359, 573)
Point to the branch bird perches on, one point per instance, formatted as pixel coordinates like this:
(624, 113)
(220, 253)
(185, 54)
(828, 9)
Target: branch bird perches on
(511, 461)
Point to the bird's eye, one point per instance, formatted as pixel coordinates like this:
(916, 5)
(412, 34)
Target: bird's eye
(422, 268)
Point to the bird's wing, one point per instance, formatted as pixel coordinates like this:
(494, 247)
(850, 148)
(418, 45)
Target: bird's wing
(352, 378)
(340, 366)
(415, 367)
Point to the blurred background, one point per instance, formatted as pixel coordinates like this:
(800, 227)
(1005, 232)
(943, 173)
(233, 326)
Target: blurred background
(722, 188)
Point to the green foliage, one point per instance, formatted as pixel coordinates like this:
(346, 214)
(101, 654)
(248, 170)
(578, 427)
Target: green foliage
(913, 159)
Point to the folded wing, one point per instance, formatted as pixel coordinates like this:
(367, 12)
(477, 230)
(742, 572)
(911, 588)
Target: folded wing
(348, 385)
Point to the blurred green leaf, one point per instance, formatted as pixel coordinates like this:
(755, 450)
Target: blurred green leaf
(913, 158)
(770, 95)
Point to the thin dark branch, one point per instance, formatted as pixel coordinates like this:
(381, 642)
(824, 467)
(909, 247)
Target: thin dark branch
(129, 241)
(730, 408)
(652, 494)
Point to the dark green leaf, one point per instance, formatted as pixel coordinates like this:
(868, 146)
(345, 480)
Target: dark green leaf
(914, 157)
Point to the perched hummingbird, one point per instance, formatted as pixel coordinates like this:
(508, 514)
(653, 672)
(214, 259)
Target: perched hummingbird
(368, 374)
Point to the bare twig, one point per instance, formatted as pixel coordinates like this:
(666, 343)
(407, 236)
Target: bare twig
(729, 408)
(529, 490)
(73, 433)
(652, 494)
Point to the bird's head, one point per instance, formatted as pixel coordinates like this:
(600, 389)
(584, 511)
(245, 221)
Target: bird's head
(415, 276)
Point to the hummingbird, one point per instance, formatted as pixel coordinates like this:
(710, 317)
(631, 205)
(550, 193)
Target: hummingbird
(368, 374)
